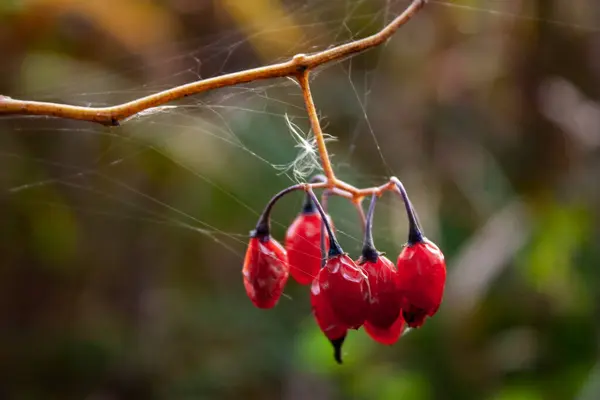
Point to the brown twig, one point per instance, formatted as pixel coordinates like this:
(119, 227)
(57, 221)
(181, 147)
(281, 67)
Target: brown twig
(299, 67)
(316, 127)
(298, 64)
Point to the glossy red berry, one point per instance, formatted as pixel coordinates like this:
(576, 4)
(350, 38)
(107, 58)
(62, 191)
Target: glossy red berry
(346, 287)
(340, 293)
(265, 271)
(422, 275)
(303, 244)
(266, 268)
(328, 322)
(421, 271)
(384, 322)
(383, 281)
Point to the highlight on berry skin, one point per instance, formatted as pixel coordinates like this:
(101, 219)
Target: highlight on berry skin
(421, 270)
(384, 322)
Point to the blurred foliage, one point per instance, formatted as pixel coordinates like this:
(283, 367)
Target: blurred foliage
(121, 252)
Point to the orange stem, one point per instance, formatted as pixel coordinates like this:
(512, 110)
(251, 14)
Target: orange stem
(316, 127)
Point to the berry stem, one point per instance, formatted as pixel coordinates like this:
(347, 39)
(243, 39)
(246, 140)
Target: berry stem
(309, 207)
(361, 213)
(323, 255)
(324, 203)
(415, 233)
(334, 246)
(263, 226)
(369, 252)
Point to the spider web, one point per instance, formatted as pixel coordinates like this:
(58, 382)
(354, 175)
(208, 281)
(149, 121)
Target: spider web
(174, 191)
(217, 146)
(215, 141)
(186, 174)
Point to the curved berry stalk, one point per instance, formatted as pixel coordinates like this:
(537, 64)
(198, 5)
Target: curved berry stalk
(421, 270)
(384, 323)
(266, 268)
(340, 294)
(303, 242)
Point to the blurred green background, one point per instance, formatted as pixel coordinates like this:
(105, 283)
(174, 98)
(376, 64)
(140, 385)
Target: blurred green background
(122, 247)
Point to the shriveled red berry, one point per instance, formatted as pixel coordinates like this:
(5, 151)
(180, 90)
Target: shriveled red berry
(303, 244)
(422, 276)
(265, 271)
(333, 329)
(346, 288)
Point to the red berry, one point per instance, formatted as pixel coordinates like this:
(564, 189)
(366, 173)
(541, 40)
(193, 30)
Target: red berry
(422, 276)
(333, 329)
(265, 271)
(346, 288)
(421, 270)
(383, 282)
(384, 322)
(266, 268)
(303, 246)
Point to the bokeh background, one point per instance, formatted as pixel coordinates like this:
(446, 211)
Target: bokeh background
(121, 247)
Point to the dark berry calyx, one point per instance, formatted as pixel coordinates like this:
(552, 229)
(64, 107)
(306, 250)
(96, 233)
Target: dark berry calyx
(334, 246)
(261, 232)
(263, 226)
(308, 207)
(369, 252)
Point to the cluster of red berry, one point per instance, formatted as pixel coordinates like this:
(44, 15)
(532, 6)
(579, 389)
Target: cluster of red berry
(345, 294)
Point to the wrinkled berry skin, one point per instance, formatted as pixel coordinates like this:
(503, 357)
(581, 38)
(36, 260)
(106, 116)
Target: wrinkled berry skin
(303, 246)
(265, 271)
(422, 277)
(346, 288)
(384, 322)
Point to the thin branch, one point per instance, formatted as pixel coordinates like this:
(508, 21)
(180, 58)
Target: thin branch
(361, 213)
(298, 64)
(316, 126)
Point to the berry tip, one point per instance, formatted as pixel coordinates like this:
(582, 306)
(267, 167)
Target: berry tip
(337, 348)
